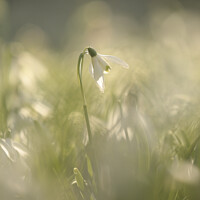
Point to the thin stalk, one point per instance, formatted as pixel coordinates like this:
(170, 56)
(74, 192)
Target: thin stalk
(79, 73)
(92, 153)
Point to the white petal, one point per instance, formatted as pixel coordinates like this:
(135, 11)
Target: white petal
(116, 60)
(100, 83)
(104, 65)
(91, 70)
(98, 73)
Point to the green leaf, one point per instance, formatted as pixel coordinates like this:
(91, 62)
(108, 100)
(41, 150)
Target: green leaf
(89, 166)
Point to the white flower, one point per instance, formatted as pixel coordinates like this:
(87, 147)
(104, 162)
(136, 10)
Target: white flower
(100, 66)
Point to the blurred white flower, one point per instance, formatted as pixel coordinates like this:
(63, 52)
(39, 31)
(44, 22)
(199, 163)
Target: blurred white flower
(100, 66)
(28, 70)
(185, 172)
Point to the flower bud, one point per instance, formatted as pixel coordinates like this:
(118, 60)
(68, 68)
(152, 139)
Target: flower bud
(92, 52)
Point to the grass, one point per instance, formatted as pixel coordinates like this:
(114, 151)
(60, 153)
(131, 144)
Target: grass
(145, 126)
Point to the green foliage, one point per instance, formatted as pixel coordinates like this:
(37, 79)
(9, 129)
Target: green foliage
(145, 127)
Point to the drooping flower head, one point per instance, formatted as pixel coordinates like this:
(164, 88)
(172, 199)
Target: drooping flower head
(100, 66)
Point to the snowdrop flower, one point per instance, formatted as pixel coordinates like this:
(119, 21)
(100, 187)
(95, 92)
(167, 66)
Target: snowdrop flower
(100, 66)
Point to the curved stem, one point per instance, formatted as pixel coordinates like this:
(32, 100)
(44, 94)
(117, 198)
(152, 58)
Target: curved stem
(79, 73)
(92, 154)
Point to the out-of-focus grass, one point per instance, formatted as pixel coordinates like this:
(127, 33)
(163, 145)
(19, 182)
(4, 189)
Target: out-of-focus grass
(42, 127)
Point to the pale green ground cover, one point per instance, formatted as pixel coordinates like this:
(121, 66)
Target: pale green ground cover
(43, 131)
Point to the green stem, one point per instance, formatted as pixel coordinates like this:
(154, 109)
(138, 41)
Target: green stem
(79, 73)
(87, 123)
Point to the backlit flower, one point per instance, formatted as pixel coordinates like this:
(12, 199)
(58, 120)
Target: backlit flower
(100, 66)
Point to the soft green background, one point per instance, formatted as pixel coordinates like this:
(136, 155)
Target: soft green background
(42, 126)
